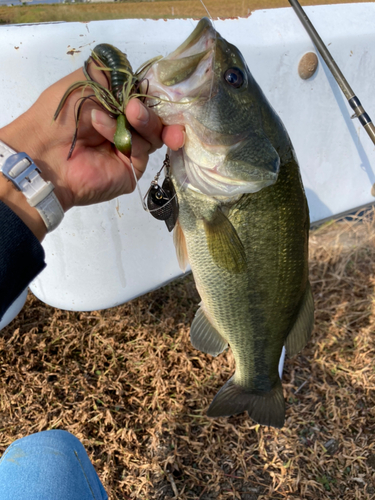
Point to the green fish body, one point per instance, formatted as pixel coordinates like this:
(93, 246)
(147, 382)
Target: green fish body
(243, 220)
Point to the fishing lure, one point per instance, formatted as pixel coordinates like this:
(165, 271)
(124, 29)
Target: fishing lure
(121, 70)
(162, 201)
(123, 85)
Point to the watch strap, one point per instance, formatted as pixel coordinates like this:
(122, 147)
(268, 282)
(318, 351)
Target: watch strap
(50, 211)
(20, 169)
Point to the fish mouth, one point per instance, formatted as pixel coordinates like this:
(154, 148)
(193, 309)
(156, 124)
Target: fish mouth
(188, 71)
(203, 34)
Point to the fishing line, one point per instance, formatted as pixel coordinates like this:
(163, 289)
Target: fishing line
(213, 59)
(205, 8)
(138, 187)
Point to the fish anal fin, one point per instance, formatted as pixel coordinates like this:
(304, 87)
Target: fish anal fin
(180, 245)
(300, 333)
(204, 336)
(224, 244)
(265, 409)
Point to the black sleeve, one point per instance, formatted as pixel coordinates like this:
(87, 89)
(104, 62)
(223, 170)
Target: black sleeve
(21, 257)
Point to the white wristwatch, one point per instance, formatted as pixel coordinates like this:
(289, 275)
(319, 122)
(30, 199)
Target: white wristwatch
(20, 169)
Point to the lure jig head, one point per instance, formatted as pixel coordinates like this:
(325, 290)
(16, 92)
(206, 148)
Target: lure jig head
(162, 201)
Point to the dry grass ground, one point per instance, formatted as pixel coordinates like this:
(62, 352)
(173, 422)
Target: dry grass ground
(142, 9)
(128, 383)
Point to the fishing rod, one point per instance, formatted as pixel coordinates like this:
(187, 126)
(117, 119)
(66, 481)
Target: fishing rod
(353, 100)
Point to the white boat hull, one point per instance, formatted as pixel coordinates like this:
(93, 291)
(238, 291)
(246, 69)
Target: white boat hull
(107, 254)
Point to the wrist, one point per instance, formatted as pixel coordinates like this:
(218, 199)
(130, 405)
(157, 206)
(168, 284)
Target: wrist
(31, 133)
(16, 201)
(23, 134)
(24, 179)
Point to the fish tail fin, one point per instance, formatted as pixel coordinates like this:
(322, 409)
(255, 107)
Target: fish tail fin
(266, 409)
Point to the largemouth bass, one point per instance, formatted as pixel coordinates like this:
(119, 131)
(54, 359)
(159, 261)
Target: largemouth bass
(243, 219)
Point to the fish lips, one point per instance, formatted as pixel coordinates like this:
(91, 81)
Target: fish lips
(202, 38)
(186, 73)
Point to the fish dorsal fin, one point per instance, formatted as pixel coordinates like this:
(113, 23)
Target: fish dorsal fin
(180, 245)
(204, 336)
(300, 333)
(224, 244)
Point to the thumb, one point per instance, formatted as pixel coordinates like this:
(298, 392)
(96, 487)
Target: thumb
(103, 124)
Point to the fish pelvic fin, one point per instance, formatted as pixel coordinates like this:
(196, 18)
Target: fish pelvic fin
(224, 244)
(300, 333)
(180, 245)
(265, 409)
(204, 336)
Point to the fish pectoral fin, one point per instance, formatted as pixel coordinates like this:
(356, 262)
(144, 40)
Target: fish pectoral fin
(224, 244)
(204, 336)
(265, 409)
(180, 245)
(300, 333)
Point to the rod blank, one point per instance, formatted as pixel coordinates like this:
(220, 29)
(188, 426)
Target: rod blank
(353, 100)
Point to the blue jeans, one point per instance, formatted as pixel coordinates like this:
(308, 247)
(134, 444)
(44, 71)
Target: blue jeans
(49, 465)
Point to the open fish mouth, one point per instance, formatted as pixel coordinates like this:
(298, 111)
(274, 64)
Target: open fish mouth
(199, 40)
(188, 70)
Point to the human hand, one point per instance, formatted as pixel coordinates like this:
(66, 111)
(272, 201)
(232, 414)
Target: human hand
(96, 172)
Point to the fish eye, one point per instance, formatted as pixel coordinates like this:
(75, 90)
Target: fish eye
(234, 77)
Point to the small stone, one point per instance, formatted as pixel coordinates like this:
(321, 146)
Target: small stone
(307, 65)
(331, 446)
